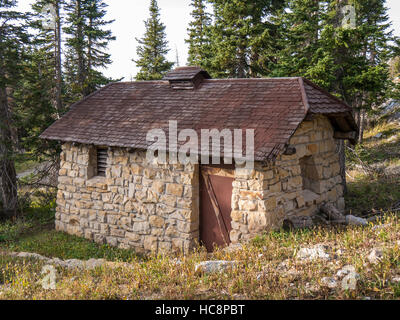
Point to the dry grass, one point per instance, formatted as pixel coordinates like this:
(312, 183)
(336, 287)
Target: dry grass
(259, 274)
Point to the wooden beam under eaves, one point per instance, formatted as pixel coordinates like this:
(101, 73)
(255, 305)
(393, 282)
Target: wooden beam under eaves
(352, 135)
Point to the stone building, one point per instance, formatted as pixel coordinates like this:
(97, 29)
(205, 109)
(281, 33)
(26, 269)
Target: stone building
(111, 193)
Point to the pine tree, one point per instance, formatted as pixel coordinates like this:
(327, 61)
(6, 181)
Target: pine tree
(86, 46)
(243, 37)
(34, 109)
(199, 35)
(348, 62)
(48, 41)
(299, 29)
(97, 43)
(153, 48)
(360, 55)
(12, 39)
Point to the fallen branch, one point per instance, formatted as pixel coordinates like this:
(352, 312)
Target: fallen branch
(331, 212)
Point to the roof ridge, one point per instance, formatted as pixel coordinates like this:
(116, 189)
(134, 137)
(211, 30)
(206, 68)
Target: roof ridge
(253, 79)
(212, 80)
(315, 86)
(304, 95)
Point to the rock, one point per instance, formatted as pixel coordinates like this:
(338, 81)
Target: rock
(71, 263)
(28, 255)
(316, 252)
(214, 266)
(349, 282)
(329, 282)
(355, 221)
(345, 271)
(375, 256)
(95, 263)
(331, 212)
(74, 264)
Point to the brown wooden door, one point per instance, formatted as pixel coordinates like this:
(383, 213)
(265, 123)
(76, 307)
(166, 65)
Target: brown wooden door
(215, 208)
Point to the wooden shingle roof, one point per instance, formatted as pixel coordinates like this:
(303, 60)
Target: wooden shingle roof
(121, 114)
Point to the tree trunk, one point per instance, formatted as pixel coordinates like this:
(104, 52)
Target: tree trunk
(361, 127)
(80, 49)
(57, 58)
(8, 177)
(342, 160)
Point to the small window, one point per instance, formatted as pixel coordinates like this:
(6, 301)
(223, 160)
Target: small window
(309, 173)
(102, 155)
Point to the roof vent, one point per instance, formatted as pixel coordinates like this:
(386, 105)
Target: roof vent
(186, 78)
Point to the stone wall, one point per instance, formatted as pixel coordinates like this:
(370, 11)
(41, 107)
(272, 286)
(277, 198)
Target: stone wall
(151, 207)
(264, 197)
(138, 204)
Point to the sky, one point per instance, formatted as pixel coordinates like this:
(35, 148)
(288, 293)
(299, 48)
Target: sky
(129, 16)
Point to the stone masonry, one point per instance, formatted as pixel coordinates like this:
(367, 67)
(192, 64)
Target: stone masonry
(152, 207)
(137, 205)
(264, 197)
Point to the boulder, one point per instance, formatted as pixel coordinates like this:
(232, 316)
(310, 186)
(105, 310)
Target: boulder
(356, 221)
(316, 252)
(214, 266)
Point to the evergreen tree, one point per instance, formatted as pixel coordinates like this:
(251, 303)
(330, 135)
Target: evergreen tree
(348, 62)
(48, 42)
(244, 37)
(299, 30)
(199, 35)
(153, 48)
(12, 39)
(86, 46)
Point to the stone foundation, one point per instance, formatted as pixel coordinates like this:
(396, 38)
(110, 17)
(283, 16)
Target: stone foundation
(151, 207)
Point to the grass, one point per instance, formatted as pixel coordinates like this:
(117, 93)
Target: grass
(67, 247)
(259, 274)
(35, 233)
(374, 190)
(368, 193)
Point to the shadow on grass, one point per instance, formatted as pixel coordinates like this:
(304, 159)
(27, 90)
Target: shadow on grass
(368, 193)
(34, 232)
